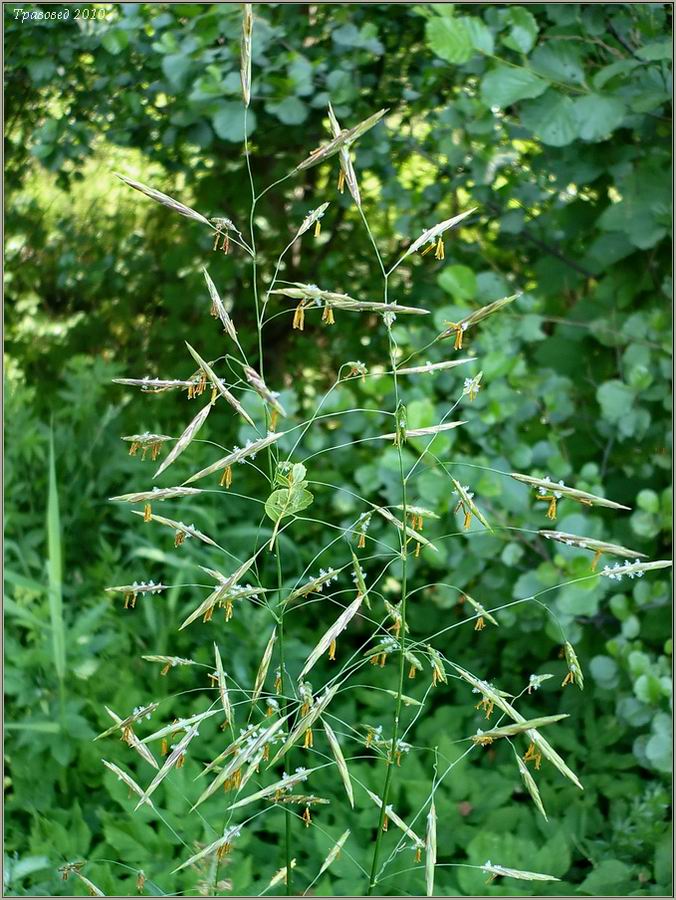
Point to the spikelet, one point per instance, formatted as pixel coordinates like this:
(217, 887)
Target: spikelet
(306, 722)
(467, 504)
(261, 388)
(431, 368)
(248, 452)
(495, 870)
(220, 592)
(574, 668)
(281, 875)
(311, 219)
(263, 668)
(245, 57)
(410, 532)
(222, 686)
(498, 698)
(432, 235)
(169, 764)
(348, 175)
(337, 751)
(530, 785)
(179, 725)
(159, 197)
(422, 432)
(481, 612)
(316, 297)
(226, 840)
(284, 784)
(344, 139)
(248, 751)
(430, 849)
(92, 889)
(169, 662)
(157, 494)
(219, 386)
(186, 438)
(458, 329)
(127, 779)
(334, 852)
(136, 716)
(396, 820)
(545, 486)
(182, 530)
(331, 634)
(485, 737)
(157, 385)
(219, 307)
(585, 543)
(313, 586)
(634, 570)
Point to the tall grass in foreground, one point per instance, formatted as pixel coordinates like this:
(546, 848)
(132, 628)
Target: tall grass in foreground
(283, 719)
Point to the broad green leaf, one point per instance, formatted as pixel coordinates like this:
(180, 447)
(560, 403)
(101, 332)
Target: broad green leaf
(598, 116)
(615, 399)
(449, 39)
(228, 121)
(115, 41)
(291, 111)
(459, 282)
(558, 61)
(176, 66)
(285, 502)
(551, 119)
(524, 29)
(505, 85)
(480, 35)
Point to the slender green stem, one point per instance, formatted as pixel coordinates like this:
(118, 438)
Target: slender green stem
(271, 466)
(402, 632)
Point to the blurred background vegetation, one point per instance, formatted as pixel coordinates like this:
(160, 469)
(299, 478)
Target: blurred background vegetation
(555, 121)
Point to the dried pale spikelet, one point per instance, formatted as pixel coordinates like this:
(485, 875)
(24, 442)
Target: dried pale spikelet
(156, 385)
(220, 592)
(484, 737)
(331, 634)
(468, 505)
(261, 388)
(634, 570)
(430, 849)
(349, 176)
(311, 219)
(585, 543)
(482, 613)
(435, 367)
(169, 764)
(574, 667)
(159, 197)
(157, 494)
(334, 852)
(222, 686)
(186, 438)
(239, 455)
(396, 820)
(344, 139)
(91, 887)
(229, 836)
(180, 528)
(179, 725)
(263, 668)
(495, 870)
(219, 307)
(220, 386)
(284, 784)
(422, 432)
(245, 59)
(459, 328)
(127, 779)
(337, 751)
(498, 698)
(530, 785)
(249, 751)
(433, 234)
(545, 486)
(280, 875)
(414, 535)
(305, 722)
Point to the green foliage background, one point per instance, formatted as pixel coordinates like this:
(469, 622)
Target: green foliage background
(554, 120)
